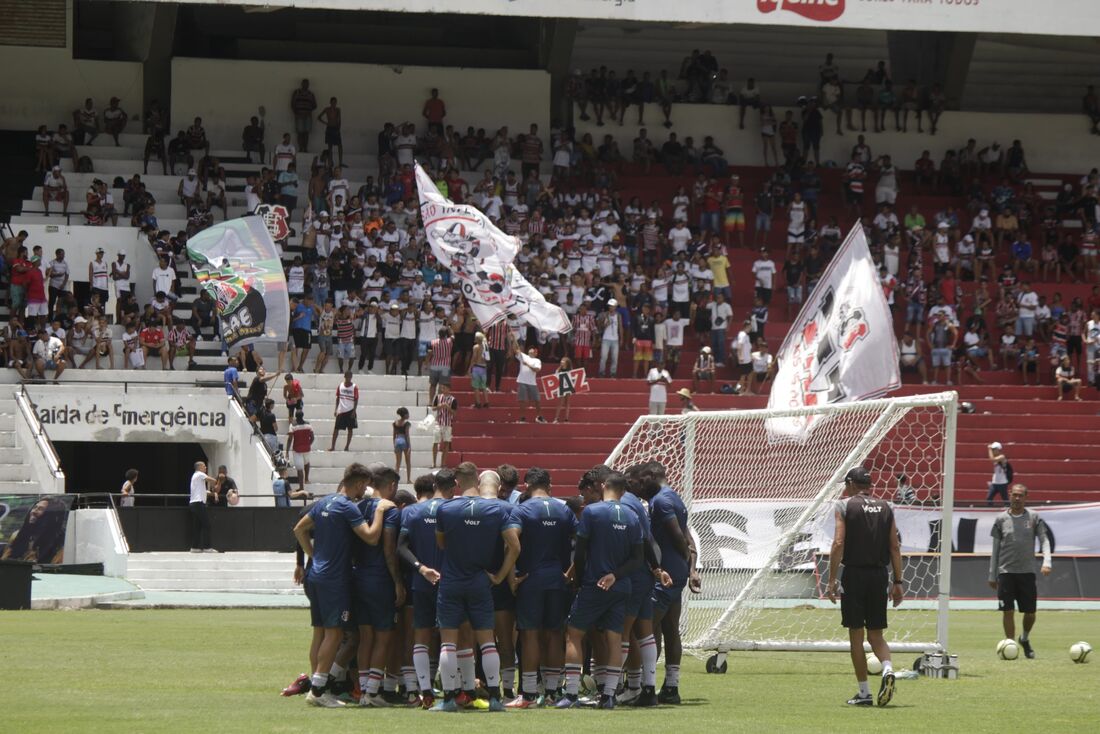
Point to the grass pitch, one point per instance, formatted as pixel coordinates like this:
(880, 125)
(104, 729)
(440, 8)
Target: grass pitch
(221, 671)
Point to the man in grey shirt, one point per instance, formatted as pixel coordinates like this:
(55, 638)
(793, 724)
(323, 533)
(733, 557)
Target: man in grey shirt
(1012, 563)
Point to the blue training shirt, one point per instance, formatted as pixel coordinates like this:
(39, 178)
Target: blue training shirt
(302, 318)
(631, 500)
(370, 560)
(418, 522)
(666, 505)
(333, 519)
(612, 530)
(472, 527)
(546, 540)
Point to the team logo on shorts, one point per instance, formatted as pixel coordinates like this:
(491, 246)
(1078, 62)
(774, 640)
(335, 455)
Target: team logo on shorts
(820, 10)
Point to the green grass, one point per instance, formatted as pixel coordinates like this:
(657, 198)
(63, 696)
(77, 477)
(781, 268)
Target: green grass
(221, 671)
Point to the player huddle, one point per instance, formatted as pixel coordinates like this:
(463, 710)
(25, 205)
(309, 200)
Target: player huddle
(474, 574)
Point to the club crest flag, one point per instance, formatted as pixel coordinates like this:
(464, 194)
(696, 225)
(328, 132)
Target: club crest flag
(479, 256)
(238, 264)
(841, 348)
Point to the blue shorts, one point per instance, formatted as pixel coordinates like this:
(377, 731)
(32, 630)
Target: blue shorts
(424, 608)
(457, 605)
(663, 597)
(640, 603)
(503, 598)
(329, 603)
(345, 350)
(594, 607)
(538, 607)
(374, 602)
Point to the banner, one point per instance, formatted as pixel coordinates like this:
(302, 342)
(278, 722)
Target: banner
(1065, 17)
(238, 263)
(479, 257)
(560, 384)
(735, 535)
(842, 347)
(32, 527)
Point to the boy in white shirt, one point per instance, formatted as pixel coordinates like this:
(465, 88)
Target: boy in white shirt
(658, 379)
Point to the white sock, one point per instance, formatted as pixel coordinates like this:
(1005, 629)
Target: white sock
(448, 666)
(625, 647)
(611, 680)
(647, 647)
(634, 678)
(389, 683)
(337, 671)
(467, 668)
(490, 663)
(423, 666)
(408, 673)
(864, 689)
(887, 667)
(374, 681)
(319, 681)
(572, 679)
(529, 682)
(507, 678)
(672, 676)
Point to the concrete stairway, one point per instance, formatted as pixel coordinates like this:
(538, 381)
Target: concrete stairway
(379, 398)
(261, 573)
(16, 476)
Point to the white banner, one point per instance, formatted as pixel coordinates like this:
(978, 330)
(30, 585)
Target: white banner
(842, 347)
(479, 257)
(739, 535)
(1063, 18)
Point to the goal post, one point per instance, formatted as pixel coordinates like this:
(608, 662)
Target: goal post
(761, 511)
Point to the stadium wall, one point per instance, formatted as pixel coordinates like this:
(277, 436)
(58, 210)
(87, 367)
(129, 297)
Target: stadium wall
(226, 93)
(1053, 143)
(42, 86)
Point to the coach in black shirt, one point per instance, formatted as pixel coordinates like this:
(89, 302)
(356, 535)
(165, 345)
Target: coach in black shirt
(866, 540)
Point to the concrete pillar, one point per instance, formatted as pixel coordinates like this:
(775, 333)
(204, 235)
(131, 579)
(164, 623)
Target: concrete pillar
(931, 58)
(555, 53)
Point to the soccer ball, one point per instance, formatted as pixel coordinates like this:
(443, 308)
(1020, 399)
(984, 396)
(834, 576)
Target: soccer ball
(1008, 650)
(874, 665)
(588, 685)
(1079, 652)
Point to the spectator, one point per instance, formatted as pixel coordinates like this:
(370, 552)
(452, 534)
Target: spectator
(86, 123)
(1029, 361)
(299, 440)
(196, 137)
(742, 351)
(721, 313)
(1066, 379)
(434, 111)
(703, 371)
(659, 379)
(561, 412)
(1002, 473)
(302, 104)
(332, 119)
(224, 492)
(763, 367)
(749, 96)
(127, 492)
(48, 354)
(527, 381)
(687, 403)
(114, 119)
(911, 359)
(252, 138)
(942, 338)
(768, 128)
(202, 485)
(347, 405)
(55, 188)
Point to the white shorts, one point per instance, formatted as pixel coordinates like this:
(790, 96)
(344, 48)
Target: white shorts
(443, 434)
(38, 309)
(137, 358)
(885, 195)
(300, 461)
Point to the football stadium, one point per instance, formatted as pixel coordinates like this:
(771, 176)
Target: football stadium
(722, 363)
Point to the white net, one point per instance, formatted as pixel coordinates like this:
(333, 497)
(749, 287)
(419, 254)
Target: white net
(762, 515)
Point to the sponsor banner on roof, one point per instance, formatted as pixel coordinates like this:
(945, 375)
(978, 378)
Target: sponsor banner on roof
(1064, 17)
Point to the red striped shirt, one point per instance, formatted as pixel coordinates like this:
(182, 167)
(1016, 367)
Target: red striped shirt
(345, 331)
(444, 409)
(584, 325)
(498, 335)
(441, 352)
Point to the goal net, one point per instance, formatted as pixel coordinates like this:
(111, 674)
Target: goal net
(761, 511)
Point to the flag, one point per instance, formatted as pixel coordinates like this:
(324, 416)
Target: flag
(238, 263)
(842, 347)
(480, 257)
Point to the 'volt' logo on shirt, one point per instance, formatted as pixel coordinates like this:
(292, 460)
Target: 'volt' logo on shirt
(472, 522)
(618, 526)
(872, 509)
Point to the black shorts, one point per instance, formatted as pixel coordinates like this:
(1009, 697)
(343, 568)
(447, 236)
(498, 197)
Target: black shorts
(503, 599)
(346, 420)
(301, 338)
(464, 342)
(863, 595)
(1017, 590)
(332, 136)
(744, 368)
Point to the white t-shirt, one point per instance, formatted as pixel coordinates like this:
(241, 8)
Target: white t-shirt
(1028, 302)
(742, 345)
(761, 361)
(189, 186)
(674, 331)
(720, 315)
(198, 486)
(528, 369)
(348, 396)
(405, 144)
(284, 154)
(296, 279)
(657, 391)
(679, 238)
(764, 270)
(681, 287)
(163, 278)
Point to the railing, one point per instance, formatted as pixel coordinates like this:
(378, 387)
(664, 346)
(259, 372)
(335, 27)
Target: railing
(50, 476)
(127, 384)
(113, 500)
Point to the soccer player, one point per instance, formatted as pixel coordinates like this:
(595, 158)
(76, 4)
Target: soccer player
(609, 550)
(419, 550)
(866, 541)
(668, 523)
(379, 588)
(1012, 564)
(639, 645)
(504, 598)
(328, 583)
(546, 529)
(467, 528)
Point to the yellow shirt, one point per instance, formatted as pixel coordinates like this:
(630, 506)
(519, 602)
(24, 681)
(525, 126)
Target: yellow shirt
(719, 266)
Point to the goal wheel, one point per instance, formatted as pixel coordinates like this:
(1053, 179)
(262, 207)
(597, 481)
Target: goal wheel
(713, 666)
(917, 664)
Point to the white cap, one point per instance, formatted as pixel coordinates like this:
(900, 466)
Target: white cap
(190, 171)
(942, 225)
(80, 320)
(612, 303)
(706, 350)
(394, 304)
(996, 445)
